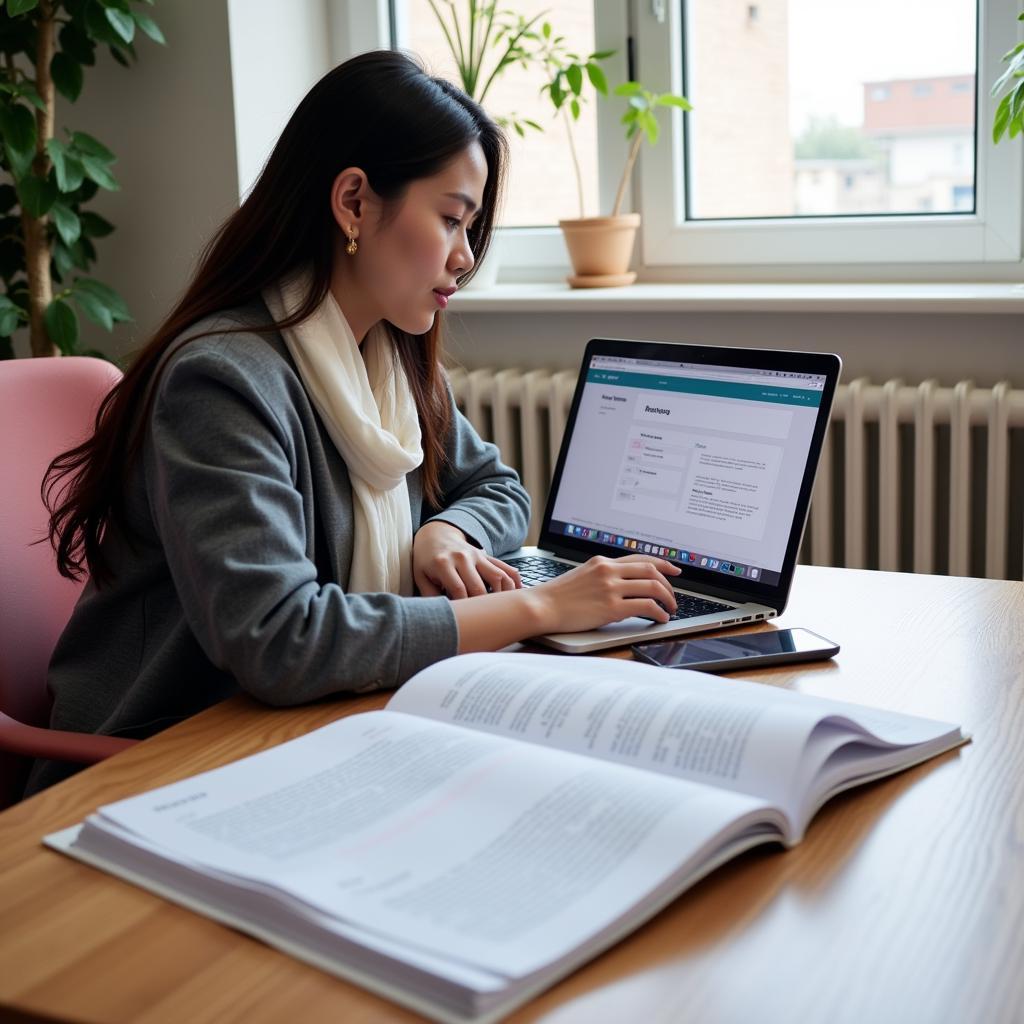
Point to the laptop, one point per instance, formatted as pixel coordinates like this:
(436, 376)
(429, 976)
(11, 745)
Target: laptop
(704, 456)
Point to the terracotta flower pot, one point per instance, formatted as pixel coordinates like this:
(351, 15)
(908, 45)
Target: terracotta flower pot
(600, 249)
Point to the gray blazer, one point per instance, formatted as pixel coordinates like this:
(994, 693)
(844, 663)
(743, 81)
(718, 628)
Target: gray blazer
(236, 579)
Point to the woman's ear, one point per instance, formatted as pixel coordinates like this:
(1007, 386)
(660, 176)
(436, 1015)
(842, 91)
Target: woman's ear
(349, 194)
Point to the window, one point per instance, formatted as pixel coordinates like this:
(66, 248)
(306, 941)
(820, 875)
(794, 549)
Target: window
(796, 152)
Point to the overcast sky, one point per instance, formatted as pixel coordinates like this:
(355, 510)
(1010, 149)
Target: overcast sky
(836, 45)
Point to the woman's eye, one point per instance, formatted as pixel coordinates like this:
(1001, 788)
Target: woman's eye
(452, 222)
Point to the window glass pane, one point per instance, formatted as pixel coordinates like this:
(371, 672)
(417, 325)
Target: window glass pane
(541, 184)
(826, 108)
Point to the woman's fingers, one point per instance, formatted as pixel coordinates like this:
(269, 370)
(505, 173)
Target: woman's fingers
(660, 564)
(655, 590)
(470, 575)
(426, 586)
(508, 572)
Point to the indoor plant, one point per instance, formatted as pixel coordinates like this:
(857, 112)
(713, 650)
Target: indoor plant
(1009, 117)
(484, 42)
(46, 238)
(600, 247)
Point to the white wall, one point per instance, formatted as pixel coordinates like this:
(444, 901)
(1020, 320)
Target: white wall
(985, 347)
(278, 51)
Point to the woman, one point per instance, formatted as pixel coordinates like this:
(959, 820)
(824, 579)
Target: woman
(283, 466)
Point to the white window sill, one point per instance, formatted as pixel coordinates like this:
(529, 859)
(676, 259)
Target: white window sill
(556, 297)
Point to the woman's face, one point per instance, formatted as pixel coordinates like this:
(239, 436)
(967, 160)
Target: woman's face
(410, 255)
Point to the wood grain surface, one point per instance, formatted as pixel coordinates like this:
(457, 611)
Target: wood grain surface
(903, 903)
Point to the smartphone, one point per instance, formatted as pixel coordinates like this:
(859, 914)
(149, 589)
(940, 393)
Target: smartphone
(741, 650)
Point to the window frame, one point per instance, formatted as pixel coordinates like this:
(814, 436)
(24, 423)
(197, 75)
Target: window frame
(991, 235)
(985, 244)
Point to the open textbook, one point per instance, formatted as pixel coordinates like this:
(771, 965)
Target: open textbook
(504, 819)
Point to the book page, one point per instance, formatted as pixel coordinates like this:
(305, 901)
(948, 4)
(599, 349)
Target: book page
(729, 733)
(498, 855)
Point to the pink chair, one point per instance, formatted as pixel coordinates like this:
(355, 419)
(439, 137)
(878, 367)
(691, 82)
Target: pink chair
(46, 406)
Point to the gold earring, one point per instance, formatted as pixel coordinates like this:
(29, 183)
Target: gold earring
(353, 246)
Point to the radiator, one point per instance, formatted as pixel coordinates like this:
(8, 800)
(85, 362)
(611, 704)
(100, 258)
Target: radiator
(916, 478)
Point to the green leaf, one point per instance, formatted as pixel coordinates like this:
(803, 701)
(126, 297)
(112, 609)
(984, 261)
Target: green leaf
(69, 227)
(597, 79)
(28, 90)
(98, 28)
(1002, 119)
(67, 75)
(602, 55)
(62, 262)
(574, 76)
(16, 7)
(628, 89)
(10, 317)
(121, 23)
(105, 294)
(76, 44)
(1017, 103)
(18, 129)
(668, 99)
(91, 147)
(36, 195)
(94, 225)
(650, 125)
(67, 168)
(574, 108)
(99, 172)
(519, 129)
(149, 26)
(61, 325)
(95, 310)
(118, 53)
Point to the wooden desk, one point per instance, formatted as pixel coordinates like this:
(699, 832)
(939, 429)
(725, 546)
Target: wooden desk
(904, 902)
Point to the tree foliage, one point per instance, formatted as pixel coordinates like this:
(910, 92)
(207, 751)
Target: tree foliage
(825, 138)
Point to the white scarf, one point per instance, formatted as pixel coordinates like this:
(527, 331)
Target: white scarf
(370, 414)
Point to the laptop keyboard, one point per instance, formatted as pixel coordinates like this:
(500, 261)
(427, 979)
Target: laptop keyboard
(534, 569)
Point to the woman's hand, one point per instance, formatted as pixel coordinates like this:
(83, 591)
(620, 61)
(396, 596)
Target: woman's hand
(605, 590)
(444, 562)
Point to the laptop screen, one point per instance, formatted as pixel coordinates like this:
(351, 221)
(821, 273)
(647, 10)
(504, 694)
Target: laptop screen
(697, 463)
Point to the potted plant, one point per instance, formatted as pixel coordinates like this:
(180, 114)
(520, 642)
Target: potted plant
(601, 247)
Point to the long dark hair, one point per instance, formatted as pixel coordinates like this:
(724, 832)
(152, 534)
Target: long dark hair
(379, 111)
